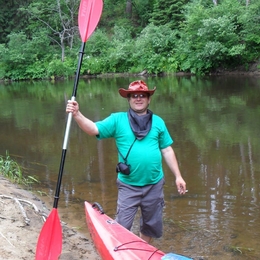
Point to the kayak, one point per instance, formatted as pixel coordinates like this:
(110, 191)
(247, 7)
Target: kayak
(114, 242)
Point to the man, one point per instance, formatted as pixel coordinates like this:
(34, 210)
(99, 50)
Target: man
(142, 139)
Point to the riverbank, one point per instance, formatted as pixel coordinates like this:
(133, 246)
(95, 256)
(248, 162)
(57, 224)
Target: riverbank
(252, 70)
(21, 220)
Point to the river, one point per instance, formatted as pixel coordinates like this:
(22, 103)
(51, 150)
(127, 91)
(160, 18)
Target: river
(214, 122)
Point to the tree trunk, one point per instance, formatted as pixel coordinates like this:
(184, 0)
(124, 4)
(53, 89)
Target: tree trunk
(62, 47)
(128, 9)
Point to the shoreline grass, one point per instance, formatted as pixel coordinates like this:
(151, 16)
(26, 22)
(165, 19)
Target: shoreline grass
(11, 170)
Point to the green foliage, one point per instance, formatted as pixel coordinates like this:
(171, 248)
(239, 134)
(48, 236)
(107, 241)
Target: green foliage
(221, 40)
(167, 12)
(113, 11)
(23, 56)
(57, 68)
(153, 49)
(143, 10)
(3, 64)
(29, 60)
(250, 19)
(212, 37)
(158, 35)
(119, 56)
(11, 19)
(98, 43)
(11, 170)
(95, 59)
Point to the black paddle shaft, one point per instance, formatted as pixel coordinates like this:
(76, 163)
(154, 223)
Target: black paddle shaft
(67, 131)
(81, 53)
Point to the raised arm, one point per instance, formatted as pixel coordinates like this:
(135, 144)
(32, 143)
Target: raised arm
(84, 123)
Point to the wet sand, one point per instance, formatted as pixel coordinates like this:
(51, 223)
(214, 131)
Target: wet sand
(21, 221)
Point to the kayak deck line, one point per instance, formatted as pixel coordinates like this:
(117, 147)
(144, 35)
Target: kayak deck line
(117, 248)
(114, 242)
(127, 243)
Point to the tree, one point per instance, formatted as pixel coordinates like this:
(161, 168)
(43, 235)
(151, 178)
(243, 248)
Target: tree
(221, 36)
(25, 58)
(128, 9)
(59, 17)
(11, 20)
(167, 12)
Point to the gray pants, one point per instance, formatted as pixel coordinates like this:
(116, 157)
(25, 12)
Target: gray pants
(149, 198)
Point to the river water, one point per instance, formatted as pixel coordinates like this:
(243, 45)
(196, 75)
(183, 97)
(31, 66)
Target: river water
(215, 124)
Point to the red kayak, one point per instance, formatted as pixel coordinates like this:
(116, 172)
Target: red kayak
(115, 242)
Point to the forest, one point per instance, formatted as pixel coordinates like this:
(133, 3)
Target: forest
(39, 39)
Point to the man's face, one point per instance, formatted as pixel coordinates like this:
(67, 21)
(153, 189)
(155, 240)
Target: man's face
(139, 102)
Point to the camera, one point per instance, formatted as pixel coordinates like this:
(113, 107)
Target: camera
(123, 168)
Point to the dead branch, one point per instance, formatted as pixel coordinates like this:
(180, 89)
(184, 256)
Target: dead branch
(18, 201)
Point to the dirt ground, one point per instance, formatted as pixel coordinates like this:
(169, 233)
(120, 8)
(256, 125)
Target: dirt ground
(21, 221)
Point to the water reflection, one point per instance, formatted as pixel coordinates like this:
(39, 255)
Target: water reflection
(215, 124)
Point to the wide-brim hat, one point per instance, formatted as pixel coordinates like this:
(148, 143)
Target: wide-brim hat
(136, 86)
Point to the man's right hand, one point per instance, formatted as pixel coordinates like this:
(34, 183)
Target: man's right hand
(72, 107)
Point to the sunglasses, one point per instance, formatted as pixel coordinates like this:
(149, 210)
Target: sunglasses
(135, 96)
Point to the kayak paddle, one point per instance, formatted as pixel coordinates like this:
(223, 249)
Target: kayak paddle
(49, 244)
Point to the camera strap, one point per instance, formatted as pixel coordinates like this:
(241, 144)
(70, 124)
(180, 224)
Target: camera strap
(125, 158)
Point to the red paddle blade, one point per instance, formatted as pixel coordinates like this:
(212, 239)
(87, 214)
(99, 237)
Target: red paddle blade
(50, 239)
(88, 18)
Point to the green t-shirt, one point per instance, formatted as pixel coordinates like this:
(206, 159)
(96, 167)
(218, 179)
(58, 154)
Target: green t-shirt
(145, 158)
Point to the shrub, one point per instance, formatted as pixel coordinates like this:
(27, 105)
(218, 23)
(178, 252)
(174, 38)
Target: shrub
(154, 49)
